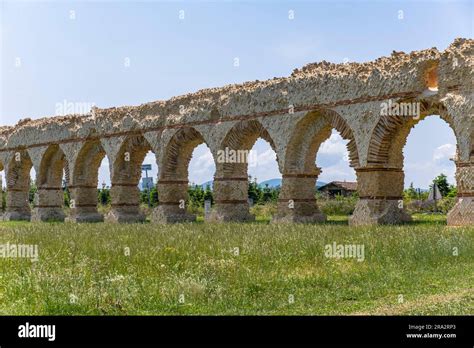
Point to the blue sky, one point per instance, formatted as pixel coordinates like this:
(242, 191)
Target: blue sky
(112, 53)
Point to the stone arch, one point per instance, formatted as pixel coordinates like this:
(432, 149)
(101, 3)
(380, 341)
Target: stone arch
(51, 168)
(308, 135)
(381, 182)
(297, 202)
(231, 178)
(127, 164)
(178, 152)
(87, 163)
(17, 177)
(391, 133)
(173, 176)
(241, 137)
(125, 172)
(49, 200)
(18, 170)
(84, 182)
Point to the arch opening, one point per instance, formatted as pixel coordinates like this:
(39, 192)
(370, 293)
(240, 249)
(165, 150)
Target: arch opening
(428, 160)
(84, 183)
(201, 172)
(336, 186)
(325, 132)
(234, 155)
(384, 180)
(178, 200)
(231, 183)
(126, 172)
(52, 179)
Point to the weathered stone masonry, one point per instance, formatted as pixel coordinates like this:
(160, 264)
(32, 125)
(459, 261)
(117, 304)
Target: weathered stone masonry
(294, 114)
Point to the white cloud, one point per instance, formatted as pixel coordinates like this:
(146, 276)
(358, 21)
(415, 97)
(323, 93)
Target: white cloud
(333, 159)
(335, 145)
(206, 159)
(261, 159)
(423, 172)
(337, 172)
(444, 152)
(201, 166)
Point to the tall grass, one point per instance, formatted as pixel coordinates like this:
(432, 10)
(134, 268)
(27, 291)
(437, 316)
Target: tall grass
(236, 269)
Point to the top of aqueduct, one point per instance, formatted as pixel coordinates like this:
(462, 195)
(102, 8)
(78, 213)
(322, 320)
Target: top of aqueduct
(316, 85)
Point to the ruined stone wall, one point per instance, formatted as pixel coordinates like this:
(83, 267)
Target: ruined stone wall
(294, 114)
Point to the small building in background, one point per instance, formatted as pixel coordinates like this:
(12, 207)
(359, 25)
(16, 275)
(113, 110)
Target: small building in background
(334, 188)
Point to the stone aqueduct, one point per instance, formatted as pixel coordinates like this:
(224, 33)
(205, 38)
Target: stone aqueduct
(294, 114)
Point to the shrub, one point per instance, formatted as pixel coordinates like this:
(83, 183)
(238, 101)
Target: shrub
(264, 211)
(418, 206)
(338, 206)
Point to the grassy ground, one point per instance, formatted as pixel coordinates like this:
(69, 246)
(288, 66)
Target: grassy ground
(232, 269)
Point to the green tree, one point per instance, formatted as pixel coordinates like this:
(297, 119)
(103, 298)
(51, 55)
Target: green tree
(67, 197)
(33, 190)
(267, 194)
(144, 196)
(196, 195)
(154, 196)
(254, 191)
(411, 192)
(453, 191)
(208, 194)
(442, 182)
(104, 196)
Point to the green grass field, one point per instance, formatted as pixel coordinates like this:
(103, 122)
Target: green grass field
(238, 269)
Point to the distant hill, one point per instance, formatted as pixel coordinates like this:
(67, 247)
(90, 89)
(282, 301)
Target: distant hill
(277, 182)
(271, 183)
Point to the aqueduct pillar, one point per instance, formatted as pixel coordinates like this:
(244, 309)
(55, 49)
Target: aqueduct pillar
(17, 175)
(49, 163)
(125, 173)
(231, 199)
(380, 197)
(172, 196)
(297, 202)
